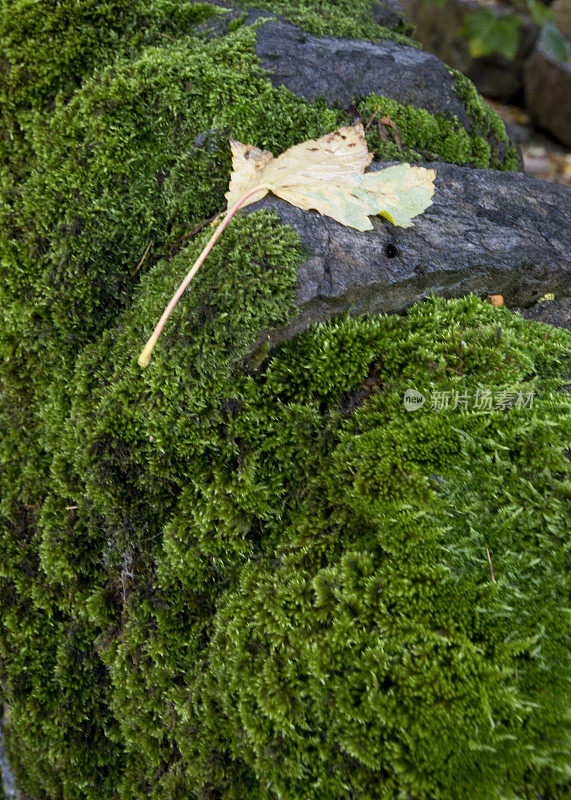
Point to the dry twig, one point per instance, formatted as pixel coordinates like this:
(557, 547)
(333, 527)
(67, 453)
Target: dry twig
(370, 122)
(142, 258)
(192, 233)
(388, 121)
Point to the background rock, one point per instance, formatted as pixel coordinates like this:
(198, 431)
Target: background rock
(554, 312)
(438, 29)
(548, 92)
(486, 233)
(561, 10)
(389, 14)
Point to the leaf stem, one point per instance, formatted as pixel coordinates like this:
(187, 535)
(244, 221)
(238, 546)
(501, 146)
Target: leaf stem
(145, 356)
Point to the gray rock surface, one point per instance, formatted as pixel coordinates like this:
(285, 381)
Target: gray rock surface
(553, 312)
(547, 83)
(341, 70)
(486, 232)
(8, 784)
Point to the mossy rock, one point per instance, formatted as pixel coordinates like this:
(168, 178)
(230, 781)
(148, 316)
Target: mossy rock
(226, 579)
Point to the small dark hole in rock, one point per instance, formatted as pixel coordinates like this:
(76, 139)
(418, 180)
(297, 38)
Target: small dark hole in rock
(392, 251)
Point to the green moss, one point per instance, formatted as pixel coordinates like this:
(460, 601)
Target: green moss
(86, 581)
(487, 125)
(437, 137)
(49, 47)
(343, 18)
(286, 569)
(117, 167)
(366, 634)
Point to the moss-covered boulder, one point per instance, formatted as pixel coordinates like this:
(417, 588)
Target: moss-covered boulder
(249, 577)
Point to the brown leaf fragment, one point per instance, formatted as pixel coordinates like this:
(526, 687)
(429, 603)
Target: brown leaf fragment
(382, 132)
(388, 121)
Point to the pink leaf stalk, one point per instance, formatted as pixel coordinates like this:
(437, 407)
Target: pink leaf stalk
(146, 352)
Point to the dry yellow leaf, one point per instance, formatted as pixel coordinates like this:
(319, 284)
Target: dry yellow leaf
(331, 158)
(327, 175)
(248, 164)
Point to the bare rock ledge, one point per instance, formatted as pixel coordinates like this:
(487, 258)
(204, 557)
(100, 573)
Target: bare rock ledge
(341, 70)
(486, 232)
